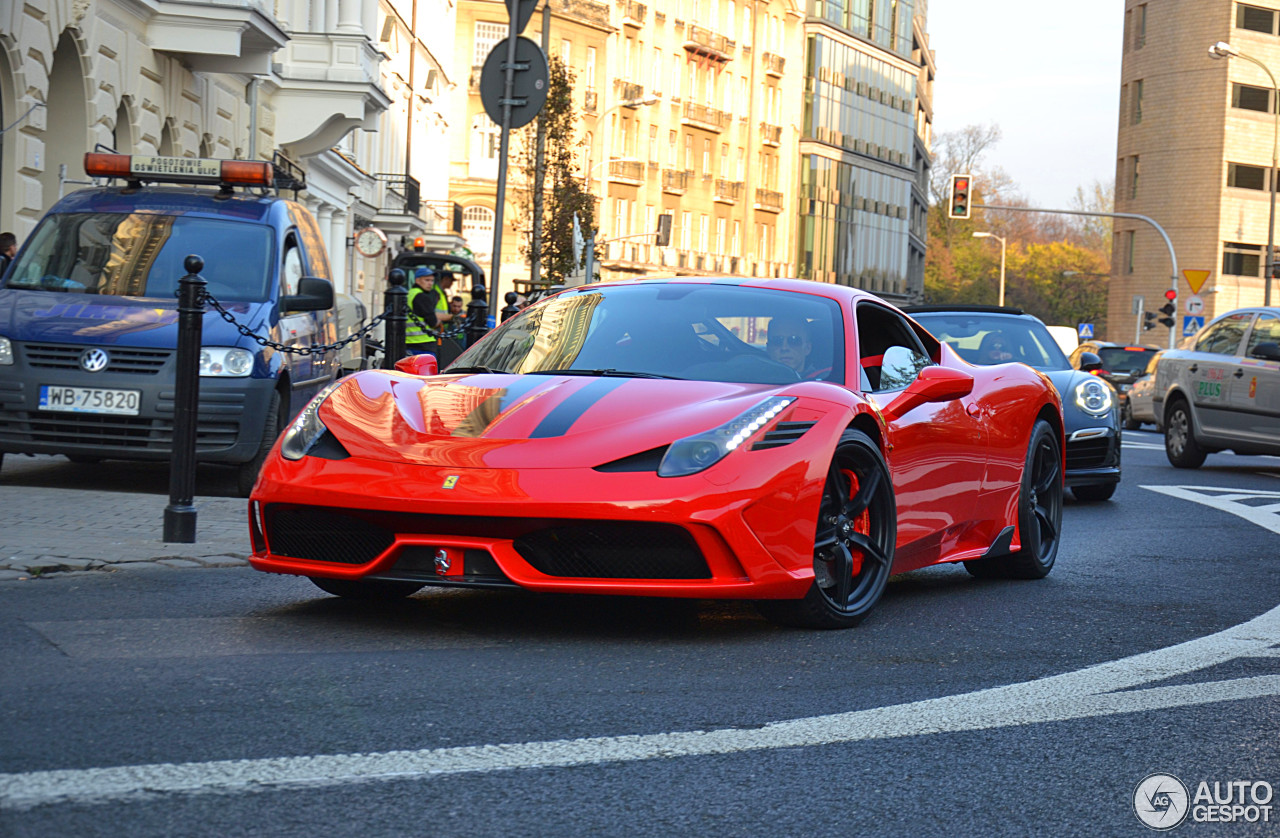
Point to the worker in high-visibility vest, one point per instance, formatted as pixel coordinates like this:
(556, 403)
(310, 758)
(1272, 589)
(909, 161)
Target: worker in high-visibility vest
(428, 308)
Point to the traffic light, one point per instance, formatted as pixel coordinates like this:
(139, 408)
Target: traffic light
(960, 185)
(664, 230)
(1169, 309)
(1148, 320)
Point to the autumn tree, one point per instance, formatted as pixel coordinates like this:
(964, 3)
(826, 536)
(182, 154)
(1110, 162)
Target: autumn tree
(564, 192)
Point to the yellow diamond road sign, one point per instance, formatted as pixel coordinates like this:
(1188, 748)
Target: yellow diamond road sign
(1196, 279)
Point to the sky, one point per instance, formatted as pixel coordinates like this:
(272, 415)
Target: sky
(1048, 74)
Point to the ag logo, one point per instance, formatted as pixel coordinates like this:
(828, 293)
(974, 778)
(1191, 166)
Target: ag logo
(1160, 801)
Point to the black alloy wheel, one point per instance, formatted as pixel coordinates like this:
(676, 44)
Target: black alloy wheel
(1180, 444)
(857, 528)
(1039, 513)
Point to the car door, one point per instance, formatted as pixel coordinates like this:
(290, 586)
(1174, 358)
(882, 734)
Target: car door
(1255, 385)
(1208, 373)
(938, 454)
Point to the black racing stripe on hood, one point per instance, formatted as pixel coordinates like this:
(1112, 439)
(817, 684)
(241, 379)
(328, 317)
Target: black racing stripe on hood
(561, 418)
(489, 410)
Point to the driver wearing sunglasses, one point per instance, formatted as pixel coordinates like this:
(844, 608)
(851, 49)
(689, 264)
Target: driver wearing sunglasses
(789, 344)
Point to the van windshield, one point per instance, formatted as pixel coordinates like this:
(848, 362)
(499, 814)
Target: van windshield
(142, 254)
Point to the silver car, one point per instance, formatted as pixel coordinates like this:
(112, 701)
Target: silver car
(1139, 408)
(1222, 392)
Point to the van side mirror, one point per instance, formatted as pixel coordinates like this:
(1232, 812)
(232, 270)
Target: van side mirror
(1089, 361)
(314, 294)
(1266, 351)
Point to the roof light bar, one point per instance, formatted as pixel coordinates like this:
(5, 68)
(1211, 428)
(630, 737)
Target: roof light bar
(179, 169)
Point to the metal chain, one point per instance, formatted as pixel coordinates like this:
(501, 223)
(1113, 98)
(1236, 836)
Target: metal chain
(310, 350)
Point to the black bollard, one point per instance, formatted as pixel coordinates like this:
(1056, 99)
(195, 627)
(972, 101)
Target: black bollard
(396, 299)
(510, 309)
(180, 514)
(477, 314)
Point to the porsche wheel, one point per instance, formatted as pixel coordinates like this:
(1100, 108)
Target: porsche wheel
(368, 589)
(853, 546)
(1039, 513)
(1180, 444)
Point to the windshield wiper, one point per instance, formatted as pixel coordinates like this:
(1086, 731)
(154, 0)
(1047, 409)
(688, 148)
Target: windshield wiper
(607, 373)
(476, 368)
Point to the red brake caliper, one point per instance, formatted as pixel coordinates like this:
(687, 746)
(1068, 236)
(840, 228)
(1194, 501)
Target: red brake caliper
(861, 525)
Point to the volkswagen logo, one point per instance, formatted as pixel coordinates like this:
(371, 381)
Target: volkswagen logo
(94, 360)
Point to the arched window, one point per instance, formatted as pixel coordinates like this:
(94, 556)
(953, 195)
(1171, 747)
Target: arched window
(477, 229)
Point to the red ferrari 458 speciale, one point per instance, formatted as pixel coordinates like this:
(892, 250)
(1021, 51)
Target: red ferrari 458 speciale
(789, 442)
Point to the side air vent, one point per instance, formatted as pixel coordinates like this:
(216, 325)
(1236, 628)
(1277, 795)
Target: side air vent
(783, 433)
(644, 461)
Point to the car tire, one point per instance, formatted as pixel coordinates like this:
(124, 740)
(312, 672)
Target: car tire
(1126, 418)
(366, 589)
(1039, 513)
(247, 473)
(1095, 493)
(1180, 444)
(854, 537)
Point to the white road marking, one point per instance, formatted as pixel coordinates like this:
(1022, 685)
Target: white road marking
(1103, 690)
(1146, 446)
(1266, 516)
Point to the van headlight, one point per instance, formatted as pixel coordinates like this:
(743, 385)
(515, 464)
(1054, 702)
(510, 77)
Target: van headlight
(1093, 396)
(701, 451)
(225, 362)
(307, 428)
(6, 352)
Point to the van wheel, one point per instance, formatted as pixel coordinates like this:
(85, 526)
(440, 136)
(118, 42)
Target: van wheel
(247, 473)
(1180, 444)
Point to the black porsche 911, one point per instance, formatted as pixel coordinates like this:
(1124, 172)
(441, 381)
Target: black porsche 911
(993, 335)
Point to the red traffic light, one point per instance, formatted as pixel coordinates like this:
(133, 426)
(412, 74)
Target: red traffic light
(1171, 294)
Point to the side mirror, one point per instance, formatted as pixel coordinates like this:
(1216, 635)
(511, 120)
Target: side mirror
(424, 364)
(314, 294)
(933, 384)
(1089, 361)
(1266, 351)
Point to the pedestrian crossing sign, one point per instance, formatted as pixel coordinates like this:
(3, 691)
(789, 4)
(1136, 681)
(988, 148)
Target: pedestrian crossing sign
(1085, 330)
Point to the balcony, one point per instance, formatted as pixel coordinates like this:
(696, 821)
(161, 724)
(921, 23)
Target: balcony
(675, 181)
(773, 63)
(728, 191)
(630, 172)
(632, 13)
(628, 92)
(768, 200)
(337, 69)
(587, 10)
(771, 134)
(701, 116)
(589, 101)
(401, 194)
(217, 36)
(702, 41)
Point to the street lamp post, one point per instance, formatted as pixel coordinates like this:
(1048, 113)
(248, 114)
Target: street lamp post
(1222, 49)
(1002, 245)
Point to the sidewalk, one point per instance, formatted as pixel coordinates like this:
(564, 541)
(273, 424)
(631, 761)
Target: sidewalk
(56, 516)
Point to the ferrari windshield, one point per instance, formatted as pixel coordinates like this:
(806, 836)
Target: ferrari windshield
(706, 332)
(142, 254)
(987, 338)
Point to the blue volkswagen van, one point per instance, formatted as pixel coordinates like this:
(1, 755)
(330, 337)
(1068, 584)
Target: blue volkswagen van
(89, 319)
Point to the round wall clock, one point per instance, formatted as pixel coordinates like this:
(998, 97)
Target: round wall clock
(371, 242)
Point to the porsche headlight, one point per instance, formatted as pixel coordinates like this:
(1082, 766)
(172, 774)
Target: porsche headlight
(701, 451)
(225, 362)
(6, 352)
(307, 428)
(1093, 396)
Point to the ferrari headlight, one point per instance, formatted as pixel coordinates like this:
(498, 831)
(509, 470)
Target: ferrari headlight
(701, 451)
(225, 362)
(6, 352)
(307, 428)
(1093, 396)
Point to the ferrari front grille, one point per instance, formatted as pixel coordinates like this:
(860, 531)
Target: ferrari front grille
(783, 433)
(614, 550)
(325, 535)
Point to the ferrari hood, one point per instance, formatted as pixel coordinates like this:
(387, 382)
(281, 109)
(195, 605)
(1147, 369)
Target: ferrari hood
(525, 421)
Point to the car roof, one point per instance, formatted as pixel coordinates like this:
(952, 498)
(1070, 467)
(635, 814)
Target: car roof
(1004, 311)
(173, 200)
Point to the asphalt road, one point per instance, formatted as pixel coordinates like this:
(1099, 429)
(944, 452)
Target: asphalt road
(220, 701)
